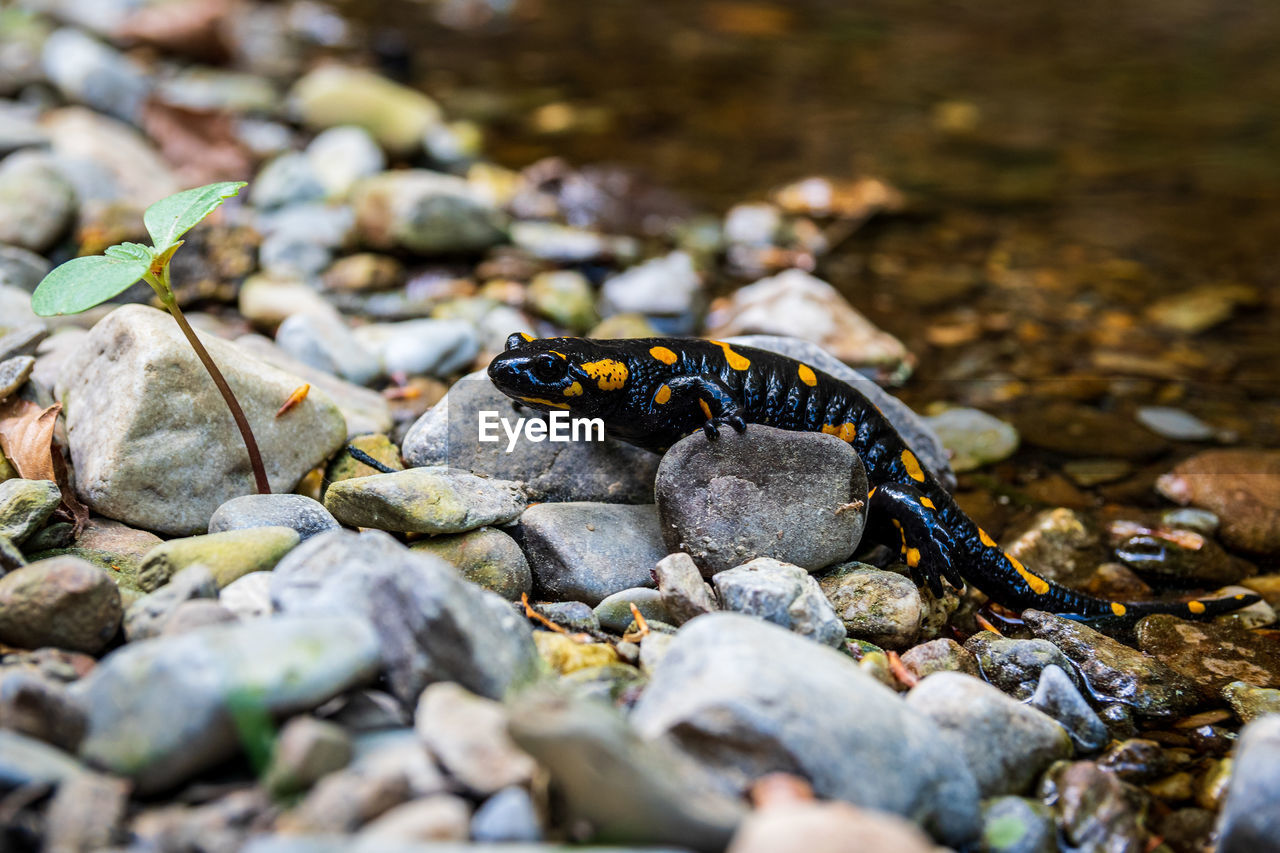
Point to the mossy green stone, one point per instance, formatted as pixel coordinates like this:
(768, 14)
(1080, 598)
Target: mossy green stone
(345, 467)
(228, 555)
(485, 556)
(424, 500)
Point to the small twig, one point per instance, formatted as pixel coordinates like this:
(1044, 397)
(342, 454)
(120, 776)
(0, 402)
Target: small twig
(642, 627)
(900, 671)
(530, 613)
(985, 625)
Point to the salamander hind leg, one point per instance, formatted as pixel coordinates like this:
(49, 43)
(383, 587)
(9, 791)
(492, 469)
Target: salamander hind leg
(902, 512)
(699, 393)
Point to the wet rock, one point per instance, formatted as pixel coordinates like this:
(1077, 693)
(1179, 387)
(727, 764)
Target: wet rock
(424, 212)
(1057, 696)
(1015, 666)
(973, 437)
(1077, 430)
(564, 297)
(248, 596)
(1250, 702)
(1114, 672)
(614, 612)
(306, 750)
(746, 698)
(684, 593)
(1181, 557)
(40, 707)
(87, 812)
(1174, 424)
(551, 471)
(25, 505)
(627, 790)
(37, 205)
(1250, 819)
(1006, 745)
(507, 816)
(468, 736)
(783, 594)
(1242, 487)
(584, 551)
(227, 555)
(1094, 809)
(424, 500)
(669, 286)
(431, 624)
(1060, 546)
(135, 377)
(441, 818)
(796, 304)
(26, 761)
(422, 347)
(302, 514)
(1212, 654)
(89, 72)
(1018, 825)
(943, 655)
(147, 616)
(14, 373)
(326, 343)
(485, 556)
(743, 496)
(62, 601)
(395, 115)
(160, 710)
(826, 828)
(880, 607)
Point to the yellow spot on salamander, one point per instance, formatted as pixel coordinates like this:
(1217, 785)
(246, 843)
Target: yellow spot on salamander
(807, 376)
(912, 465)
(538, 401)
(574, 390)
(663, 355)
(844, 432)
(913, 557)
(663, 395)
(1195, 606)
(1117, 608)
(1038, 584)
(927, 503)
(706, 410)
(562, 355)
(986, 539)
(526, 336)
(736, 361)
(872, 493)
(610, 374)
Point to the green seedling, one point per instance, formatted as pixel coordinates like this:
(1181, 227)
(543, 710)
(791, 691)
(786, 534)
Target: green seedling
(80, 284)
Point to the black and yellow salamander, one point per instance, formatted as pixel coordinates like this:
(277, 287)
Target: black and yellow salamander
(652, 392)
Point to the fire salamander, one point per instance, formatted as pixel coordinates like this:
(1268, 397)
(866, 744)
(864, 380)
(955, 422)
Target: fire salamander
(652, 392)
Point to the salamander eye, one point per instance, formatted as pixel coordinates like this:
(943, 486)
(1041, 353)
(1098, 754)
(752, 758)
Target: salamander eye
(549, 368)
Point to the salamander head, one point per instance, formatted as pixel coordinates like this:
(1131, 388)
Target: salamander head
(560, 373)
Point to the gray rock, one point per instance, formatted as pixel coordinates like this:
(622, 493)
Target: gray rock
(1018, 825)
(424, 212)
(1005, 744)
(1015, 666)
(22, 269)
(431, 624)
(667, 286)
(783, 594)
(571, 615)
(135, 379)
(164, 709)
(302, 239)
(973, 437)
(37, 205)
(826, 826)
(467, 734)
(147, 616)
(40, 707)
(441, 818)
(880, 607)
(18, 126)
(945, 655)
(424, 500)
(306, 750)
(747, 698)
(684, 593)
(630, 792)
(26, 761)
(1250, 819)
(11, 556)
(422, 347)
(248, 596)
(507, 816)
(485, 556)
(228, 555)
(326, 343)
(1057, 696)
(914, 430)
(106, 159)
(25, 505)
(1174, 424)
(793, 496)
(584, 551)
(340, 156)
(14, 373)
(614, 612)
(194, 614)
(551, 471)
(308, 517)
(23, 340)
(15, 309)
(62, 601)
(91, 73)
(286, 180)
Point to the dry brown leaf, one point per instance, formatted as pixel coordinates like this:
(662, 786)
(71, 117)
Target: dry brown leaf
(26, 437)
(201, 144)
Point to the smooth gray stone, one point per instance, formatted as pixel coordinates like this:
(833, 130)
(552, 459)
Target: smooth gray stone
(299, 512)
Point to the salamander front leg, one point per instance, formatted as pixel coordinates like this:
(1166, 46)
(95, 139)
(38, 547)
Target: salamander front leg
(903, 513)
(699, 393)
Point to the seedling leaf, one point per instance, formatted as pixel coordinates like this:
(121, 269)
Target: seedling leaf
(80, 284)
(170, 218)
(130, 252)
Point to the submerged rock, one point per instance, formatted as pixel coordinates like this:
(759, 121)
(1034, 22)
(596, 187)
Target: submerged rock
(1212, 654)
(1242, 487)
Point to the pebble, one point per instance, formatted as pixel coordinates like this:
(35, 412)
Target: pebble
(1005, 744)
(614, 612)
(362, 273)
(147, 616)
(1250, 818)
(25, 761)
(1174, 424)
(198, 613)
(87, 812)
(684, 593)
(816, 827)
(607, 471)
(424, 500)
(455, 144)
(134, 171)
(745, 697)
(794, 303)
(302, 514)
(628, 789)
(624, 326)
(14, 373)
(564, 297)
(1088, 473)
(21, 269)
(37, 227)
(1016, 666)
(881, 607)
(305, 751)
(344, 466)
(300, 241)
(508, 816)
(668, 286)
(973, 437)
(285, 180)
(1242, 487)
(114, 404)
(1059, 545)
(40, 707)
(25, 506)
(1178, 557)
(739, 498)
(1057, 696)
(1018, 825)
(583, 551)
(160, 709)
(227, 555)
(1212, 654)
(783, 594)
(248, 596)
(467, 734)
(323, 341)
(943, 655)
(1114, 672)
(573, 615)
(89, 72)
(485, 556)
(441, 818)
(1073, 429)
(431, 624)
(340, 156)
(266, 301)
(342, 802)
(335, 95)
(565, 244)
(1093, 809)
(201, 88)
(422, 347)
(11, 556)
(425, 213)
(1251, 702)
(23, 340)
(62, 601)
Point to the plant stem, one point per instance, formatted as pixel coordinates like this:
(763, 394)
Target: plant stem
(251, 445)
